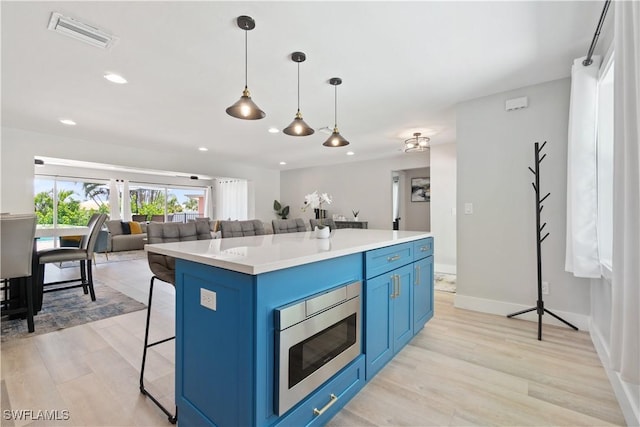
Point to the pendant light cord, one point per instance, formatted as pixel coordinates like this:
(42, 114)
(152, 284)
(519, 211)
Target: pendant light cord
(335, 125)
(298, 86)
(245, 58)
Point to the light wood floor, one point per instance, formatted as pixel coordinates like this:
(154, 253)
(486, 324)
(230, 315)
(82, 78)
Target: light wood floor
(464, 368)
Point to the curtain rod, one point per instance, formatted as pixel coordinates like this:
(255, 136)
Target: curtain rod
(588, 60)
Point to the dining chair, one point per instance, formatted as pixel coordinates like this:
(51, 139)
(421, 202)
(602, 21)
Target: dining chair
(251, 227)
(292, 225)
(17, 234)
(84, 254)
(328, 222)
(163, 268)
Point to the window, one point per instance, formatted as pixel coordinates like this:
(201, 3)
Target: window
(605, 163)
(69, 201)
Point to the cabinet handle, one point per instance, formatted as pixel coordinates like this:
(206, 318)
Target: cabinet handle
(417, 281)
(393, 281)
(425, 248)
(393, 258)
(332, 399)
(399, 284)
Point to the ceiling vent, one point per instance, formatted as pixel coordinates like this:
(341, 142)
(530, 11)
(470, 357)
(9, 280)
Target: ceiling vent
(79, 31)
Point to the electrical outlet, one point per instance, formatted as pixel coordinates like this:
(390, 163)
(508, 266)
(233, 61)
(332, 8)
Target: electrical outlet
(208, 299)
(545, 288)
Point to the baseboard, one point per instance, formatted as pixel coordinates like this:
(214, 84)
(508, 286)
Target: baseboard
(445, 268)
(503, 308)
(628, 398)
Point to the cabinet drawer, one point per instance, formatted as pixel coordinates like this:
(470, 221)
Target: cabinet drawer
(422, 248)
(385, 259)
(339, 390)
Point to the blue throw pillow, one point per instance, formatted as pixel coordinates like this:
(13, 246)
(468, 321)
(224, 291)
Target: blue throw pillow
(126, 228)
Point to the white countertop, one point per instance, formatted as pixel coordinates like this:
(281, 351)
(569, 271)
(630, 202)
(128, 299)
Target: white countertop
(261, 254)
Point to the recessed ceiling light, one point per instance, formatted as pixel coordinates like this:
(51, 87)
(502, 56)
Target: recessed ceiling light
(203, 149)
(350, 153)
(273, 130)
(283, 163)
(67, 122)
(115, 78)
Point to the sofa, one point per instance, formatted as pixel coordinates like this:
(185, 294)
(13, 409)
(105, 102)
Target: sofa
(121, 238)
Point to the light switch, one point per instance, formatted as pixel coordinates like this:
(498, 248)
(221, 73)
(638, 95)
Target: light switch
(208, 299)
(468, 208)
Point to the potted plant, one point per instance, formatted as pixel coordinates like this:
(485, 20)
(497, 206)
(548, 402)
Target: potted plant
(355, 214)
(282, 212)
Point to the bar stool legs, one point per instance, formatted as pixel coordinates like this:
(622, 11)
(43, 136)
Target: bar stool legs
(172, 418)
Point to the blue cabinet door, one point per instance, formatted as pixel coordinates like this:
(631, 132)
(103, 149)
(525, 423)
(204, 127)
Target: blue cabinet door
(402, 307)
(422, 293)
(378, 312)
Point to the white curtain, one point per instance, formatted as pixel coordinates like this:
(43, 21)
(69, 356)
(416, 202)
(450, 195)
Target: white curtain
(114, 200)
(231, 199)
(582, 198)
(625, 286)
(208, 202)
(126, 201)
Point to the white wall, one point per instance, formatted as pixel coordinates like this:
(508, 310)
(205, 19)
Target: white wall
(496, 244)
(443, 206)
(18, 148)
(363, 186)
(416, 216)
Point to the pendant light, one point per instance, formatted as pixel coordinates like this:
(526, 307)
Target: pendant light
(298, 127)
(245, 108)
(417, 143)
(335, 140)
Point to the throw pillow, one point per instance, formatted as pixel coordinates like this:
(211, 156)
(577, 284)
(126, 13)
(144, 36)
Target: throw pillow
(135, 227)
(126, 229)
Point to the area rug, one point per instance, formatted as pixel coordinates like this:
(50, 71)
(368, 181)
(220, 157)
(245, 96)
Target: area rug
(102, 258)
(445, 282)
(71, 307)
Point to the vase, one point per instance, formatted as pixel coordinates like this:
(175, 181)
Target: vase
(322, 233)
(355, 218)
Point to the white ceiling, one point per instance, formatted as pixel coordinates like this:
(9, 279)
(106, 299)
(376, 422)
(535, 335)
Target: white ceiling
(404, 66)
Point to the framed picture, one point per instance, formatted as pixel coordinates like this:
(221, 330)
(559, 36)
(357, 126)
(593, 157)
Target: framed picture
(420, 189)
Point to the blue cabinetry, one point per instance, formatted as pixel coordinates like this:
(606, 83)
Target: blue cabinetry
(398, 299)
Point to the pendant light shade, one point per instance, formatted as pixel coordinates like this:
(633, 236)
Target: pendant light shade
(298, 127)
(336, 140)
(245, 108)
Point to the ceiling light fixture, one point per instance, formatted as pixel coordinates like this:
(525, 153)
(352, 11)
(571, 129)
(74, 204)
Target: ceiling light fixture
(298, 127)
(203, 149)
(115, 78)
(283, 163)
(273, 130)
(417, 143)
(67, 122)
(350, 153)
(335, 140)
(245, 108)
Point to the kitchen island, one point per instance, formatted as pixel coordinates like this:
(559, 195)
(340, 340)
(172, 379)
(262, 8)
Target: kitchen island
(233, 299)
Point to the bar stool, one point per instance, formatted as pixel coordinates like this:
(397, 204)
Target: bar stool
(17, 234)
(163, 268)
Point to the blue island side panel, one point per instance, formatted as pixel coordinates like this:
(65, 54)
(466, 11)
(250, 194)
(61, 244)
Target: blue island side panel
(225, 359)
(214, 349)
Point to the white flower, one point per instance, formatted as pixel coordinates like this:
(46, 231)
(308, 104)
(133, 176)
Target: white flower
(315, 201)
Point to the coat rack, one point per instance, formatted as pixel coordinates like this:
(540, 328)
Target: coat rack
(539, 308)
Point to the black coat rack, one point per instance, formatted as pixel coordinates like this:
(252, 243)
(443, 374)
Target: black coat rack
(540, 303)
